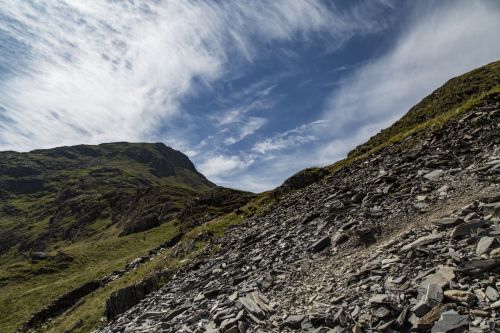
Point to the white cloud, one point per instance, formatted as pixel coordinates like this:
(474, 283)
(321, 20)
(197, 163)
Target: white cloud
(239, 114)
(110, 70)
(438, 43)
(251, 125)
(289, 139)
(222, 165)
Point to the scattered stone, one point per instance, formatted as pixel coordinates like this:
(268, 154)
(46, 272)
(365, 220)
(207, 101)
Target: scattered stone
(491, 293)
(425, 240)
(382, 312)
(467, 228)
(484, 245)
(495, 254)
(449, 322)
(293, 321)
(321, 244)
(447, 222)
(378, 299)
(432, 297)
(255, 305)
(428, 320)
(443, 276)
(434, 174)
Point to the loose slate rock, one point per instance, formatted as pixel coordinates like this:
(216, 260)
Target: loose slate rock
(484, 245)
(425, 240)
(434, 174)
(432, 297)
(293, 321)
(492, 294)
(467, 228)
(443, 276)
(450, 321)
(459, 295)
(447, 222)
(255, 306)
(427, 321)
(321, 244)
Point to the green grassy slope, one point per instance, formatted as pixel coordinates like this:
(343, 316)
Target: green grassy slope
(90, 313)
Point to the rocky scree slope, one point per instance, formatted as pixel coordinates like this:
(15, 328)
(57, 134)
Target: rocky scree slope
(406, 239)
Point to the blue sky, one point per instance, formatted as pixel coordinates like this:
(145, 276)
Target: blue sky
(252, 91)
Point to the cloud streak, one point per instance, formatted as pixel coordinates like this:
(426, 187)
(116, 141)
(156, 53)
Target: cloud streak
(87, 71)
(95, 71)
(289, 139)
(438, 44)
(440, 41)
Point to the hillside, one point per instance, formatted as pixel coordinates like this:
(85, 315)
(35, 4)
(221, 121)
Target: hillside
(402, 237)
(72, 215)
(68, 191)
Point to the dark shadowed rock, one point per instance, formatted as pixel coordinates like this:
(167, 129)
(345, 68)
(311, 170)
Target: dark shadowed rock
(321, 244)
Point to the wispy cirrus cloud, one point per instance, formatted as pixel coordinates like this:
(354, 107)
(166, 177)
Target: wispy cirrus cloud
(439, 42)
(250, 126)
(289, 139)
(95, 71)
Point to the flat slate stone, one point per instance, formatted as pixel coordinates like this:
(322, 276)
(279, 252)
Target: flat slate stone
(449, 321)
(467, 228)
(484, 245)
(447, 222)
(434, 174)
(492, 294)
(425, 240)
(293, 321)
(443, 276)
(459, 295)
(478, 266)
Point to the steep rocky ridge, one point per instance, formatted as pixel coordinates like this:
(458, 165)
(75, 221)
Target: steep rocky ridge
(403, 239)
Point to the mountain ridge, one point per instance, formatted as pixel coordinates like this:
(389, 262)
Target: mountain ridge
(274, 274)
(404, 239)
(93, 207)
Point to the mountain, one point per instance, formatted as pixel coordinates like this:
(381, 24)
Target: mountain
(68, 192)
(402, 235)
(71, 215)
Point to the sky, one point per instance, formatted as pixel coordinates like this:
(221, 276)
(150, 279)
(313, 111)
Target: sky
(251, 90)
